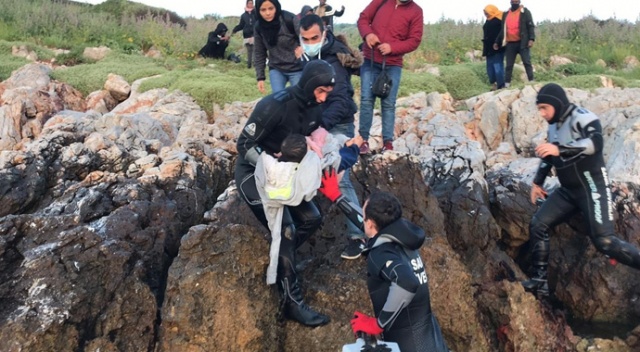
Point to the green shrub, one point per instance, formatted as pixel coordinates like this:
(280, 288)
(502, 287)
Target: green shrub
(411, 83)
(575, 69)
(461, 81)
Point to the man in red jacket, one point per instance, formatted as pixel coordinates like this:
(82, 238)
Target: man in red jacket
(390, 29)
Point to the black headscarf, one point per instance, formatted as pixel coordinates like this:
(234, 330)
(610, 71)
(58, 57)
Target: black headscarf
(271, 29)
(220, 29)
(555, 96)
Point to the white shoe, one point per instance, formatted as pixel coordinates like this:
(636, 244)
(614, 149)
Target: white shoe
(507, 85)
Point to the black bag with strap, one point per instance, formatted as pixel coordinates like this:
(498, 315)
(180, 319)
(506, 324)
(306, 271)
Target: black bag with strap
(381, 87)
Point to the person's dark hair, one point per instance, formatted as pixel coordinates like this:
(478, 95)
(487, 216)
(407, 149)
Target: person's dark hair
(269, 30)
(293, 148)
(383, 208)
(308, 21)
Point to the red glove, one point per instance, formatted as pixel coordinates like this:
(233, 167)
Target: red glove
(330, 184)
(364, 323)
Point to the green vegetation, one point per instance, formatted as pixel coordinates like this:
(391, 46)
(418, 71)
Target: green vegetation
(131, 29)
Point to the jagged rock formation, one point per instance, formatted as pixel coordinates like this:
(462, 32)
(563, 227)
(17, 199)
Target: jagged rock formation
(120, 229)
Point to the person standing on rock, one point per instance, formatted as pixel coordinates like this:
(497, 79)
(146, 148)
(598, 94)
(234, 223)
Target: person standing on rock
(574, 148)
(295, 110)
(390, 29)
(495, 57)
(396, 276)
(247, 22)
(517, 37)
(339, 109)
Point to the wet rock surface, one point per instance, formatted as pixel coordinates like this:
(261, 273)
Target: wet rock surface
(120, 228)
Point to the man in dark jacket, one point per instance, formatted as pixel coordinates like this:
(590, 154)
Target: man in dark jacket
(390, 29)
(396, 276)
(327, 12)
(295, 110)
(216, 43)
(339, 109)
(247, 21)
(574, 148)
(517, 36)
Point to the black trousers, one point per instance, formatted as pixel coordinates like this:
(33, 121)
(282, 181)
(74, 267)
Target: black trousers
(595, 205)
(513, 49)
(298, 223)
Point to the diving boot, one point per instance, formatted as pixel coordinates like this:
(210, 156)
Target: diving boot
(537, 284)
(293, 305)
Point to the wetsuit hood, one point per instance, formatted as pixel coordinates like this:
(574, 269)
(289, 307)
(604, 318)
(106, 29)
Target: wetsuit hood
(555, 96)
(317, 73)
(403, 232)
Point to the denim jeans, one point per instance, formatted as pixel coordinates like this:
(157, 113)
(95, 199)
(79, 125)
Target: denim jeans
(368, 75)
(346, 188)
(495, 69)
(279, 79)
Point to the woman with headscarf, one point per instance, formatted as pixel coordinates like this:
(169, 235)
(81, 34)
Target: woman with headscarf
(276, 40)
(495, 58)
(216, 43)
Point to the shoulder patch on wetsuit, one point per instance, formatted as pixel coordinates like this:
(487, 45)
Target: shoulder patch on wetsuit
(250, 129)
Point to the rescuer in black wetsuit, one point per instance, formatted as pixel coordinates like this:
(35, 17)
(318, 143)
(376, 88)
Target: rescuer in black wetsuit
(574, 148)
(293, 110)
(397, 280)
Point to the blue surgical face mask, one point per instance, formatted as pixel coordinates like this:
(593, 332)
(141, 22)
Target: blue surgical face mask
(313, 49)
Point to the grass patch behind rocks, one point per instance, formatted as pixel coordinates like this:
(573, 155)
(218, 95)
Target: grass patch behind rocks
(218, 83)
(461, 81)
(91, 77)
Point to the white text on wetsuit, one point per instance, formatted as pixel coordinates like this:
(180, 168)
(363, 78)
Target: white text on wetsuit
(597, 212)
(416, 263)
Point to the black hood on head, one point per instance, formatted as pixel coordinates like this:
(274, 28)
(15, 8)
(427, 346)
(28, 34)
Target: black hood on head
(221, 29)
(305, 9)
(555, 96)
(317, 73)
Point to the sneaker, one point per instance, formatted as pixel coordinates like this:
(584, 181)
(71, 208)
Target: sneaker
(354, 249)
(507, 85)
(388, 145)
(364, 148)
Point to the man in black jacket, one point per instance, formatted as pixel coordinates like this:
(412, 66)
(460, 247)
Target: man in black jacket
(295, 110)
(517, 36)
(574, 148)
(339, 109)
(247, 21)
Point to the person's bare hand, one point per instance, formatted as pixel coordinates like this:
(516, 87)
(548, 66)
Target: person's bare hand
(357, 140)
(537, 192)
(547, 149)
(385, 49)
(530, 44)
(495, 46)
(261, 87)
(299, 51)
(372, 40)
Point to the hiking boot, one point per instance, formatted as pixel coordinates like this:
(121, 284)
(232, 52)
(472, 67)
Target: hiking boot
(388, 145)
(364, 148)
(354, 249)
